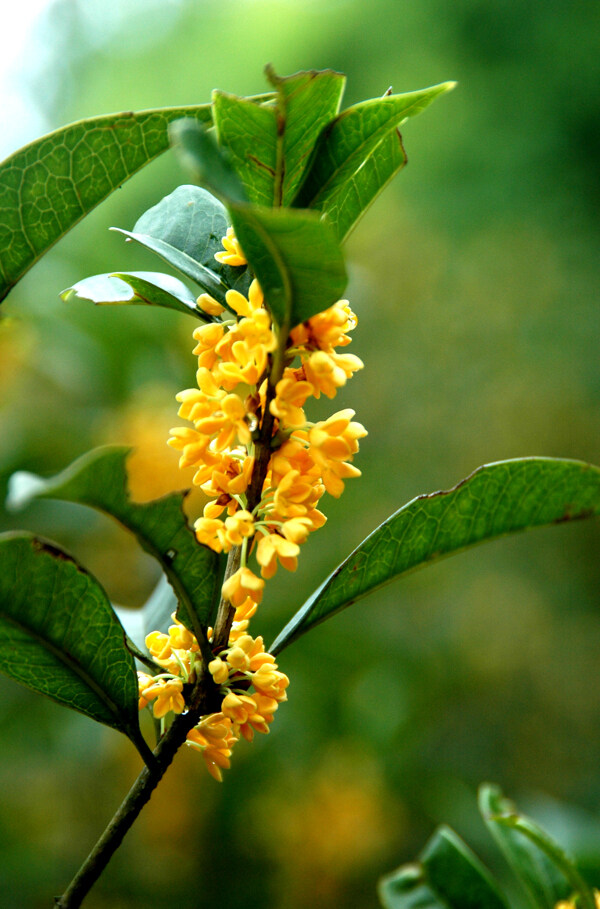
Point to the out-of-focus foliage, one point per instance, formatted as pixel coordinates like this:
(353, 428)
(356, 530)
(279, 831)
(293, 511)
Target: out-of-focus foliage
(475, 281)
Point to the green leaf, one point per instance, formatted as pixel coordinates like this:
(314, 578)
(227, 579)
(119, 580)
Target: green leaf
(206, 278)
(495, 500)
(206, 162)
(60, 636)
(457, 875)
(406, 888)
(249, 133)
(191, 220)
(335, 183)
(270, 146)
(294, 254)
(99, 479)
(448, 875)
(539, 863)
(51, 184)
(296, 259)
(143, 287)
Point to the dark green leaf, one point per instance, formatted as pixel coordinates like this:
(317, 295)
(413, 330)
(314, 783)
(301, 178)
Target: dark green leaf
(335, 183)
(206, 162)
(539, 863)
(60, 636)
(191, 220)
(270, 147)
(496, 499)
(294, 254)
(207, 279)
(448, 875)
(144, 287)
(306, 103)
(406, 889)
(99, 479)
(455, 873)
(295, 257)
(51, 184)
(249, 133)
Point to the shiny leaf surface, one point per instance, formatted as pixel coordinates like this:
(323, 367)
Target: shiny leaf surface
(495, 500)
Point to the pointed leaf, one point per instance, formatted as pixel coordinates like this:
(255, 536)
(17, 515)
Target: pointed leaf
(249, 133)
(270, 147)
(296, 259)
(51, 184)
(150, 288)
(60, 636)
(206, 162)
(539, 863)
(334, 184)
(448, 875)
(206, 278)
(496, 499)
(406, 888)
(99, 479)
(294, 254)
(455, 873)
(194, 222)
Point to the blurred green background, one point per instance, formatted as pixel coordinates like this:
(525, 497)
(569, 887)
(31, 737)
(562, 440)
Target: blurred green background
(475, 278)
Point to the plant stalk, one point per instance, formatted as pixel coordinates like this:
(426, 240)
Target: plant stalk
(205, 699)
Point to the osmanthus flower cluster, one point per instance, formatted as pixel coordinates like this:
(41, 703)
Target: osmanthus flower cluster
(236, 397)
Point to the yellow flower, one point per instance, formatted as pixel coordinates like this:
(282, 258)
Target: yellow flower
(228, 421)
(166, 694)
(327, 372)
(273, 547)
(219, 671)
(209, 305)
(232, 254)
(327, 329)
(243, 583)
(246, 306)
(269, 681)
(208, 336)
(214, 737)
(207, 533)
(238, 526)
(290, 396)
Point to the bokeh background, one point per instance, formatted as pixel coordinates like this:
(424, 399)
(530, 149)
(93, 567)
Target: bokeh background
(475, 278)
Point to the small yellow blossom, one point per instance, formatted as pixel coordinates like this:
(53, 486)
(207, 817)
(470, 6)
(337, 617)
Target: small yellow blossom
(243, 583)
(166, 694)
(246, 306)
(290, 397)
(232, 254)
(209, 305)
(214, 737)
(273, 547)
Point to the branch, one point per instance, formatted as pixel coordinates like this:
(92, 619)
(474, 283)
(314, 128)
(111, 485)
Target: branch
(204, 700)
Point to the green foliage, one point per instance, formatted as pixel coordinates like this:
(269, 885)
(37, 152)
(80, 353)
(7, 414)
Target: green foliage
(494, 500)
(543, 868)
(294, 254)
(358, 154)
(271, 145)
(60, 636)
(192, 221)
(144, 287)
(51, 184)
(99, 480)
(447, 875)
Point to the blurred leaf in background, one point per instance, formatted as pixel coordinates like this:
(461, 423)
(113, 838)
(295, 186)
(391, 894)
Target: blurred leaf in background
(475, 280)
